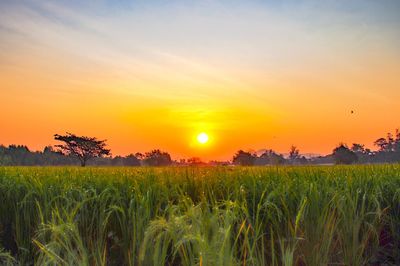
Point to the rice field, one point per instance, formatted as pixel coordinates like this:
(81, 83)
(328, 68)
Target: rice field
(312, 215)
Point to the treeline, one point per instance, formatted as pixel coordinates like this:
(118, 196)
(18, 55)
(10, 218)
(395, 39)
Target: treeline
(388, 151)
(268, 157)
(14, 155)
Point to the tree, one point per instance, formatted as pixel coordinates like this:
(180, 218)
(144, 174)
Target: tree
(294, 153)
(195, 161)
(381, 143)
(343, 155)
(131, 160)
(389, 143)
(117, 161)
(157, 158)
(302, 160)
(48, 149)
(21, 155)
(270, 157)
(244, 158)
(84, 148)
(389, 148)
(358, 148)
(139, 155)
(397, 141)
(364, 155)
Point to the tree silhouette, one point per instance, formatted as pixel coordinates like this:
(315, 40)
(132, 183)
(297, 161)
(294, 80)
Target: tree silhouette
(343, 155)
(382, 144)
(84, 148)
(157, 158)
(358, 148)
(397, 141)
(270, 157)
(244, 158)
(131, 160)
(294, 153)
(195, 161)
(139, 155)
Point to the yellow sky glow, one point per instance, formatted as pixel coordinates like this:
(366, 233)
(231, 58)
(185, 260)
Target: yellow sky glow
(250, 77)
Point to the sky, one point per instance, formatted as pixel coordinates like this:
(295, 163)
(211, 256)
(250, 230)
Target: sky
(155, 74)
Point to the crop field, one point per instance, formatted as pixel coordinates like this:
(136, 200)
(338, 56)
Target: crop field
(311, 215)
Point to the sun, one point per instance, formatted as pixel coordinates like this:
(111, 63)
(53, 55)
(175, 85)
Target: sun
(202, 138)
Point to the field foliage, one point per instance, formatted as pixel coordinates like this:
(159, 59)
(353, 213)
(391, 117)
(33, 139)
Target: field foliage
(314, 215)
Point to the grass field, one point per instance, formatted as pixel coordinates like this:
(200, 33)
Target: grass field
(327, 215)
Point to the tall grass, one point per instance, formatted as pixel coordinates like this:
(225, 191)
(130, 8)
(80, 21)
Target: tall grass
(336, 215)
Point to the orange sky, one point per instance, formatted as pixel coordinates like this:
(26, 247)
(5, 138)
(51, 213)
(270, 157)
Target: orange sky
(252, 75)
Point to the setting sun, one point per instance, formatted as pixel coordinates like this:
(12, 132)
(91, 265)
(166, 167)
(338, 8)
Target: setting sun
(202, 138)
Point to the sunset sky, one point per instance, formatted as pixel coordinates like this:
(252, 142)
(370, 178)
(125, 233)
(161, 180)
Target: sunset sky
(155, 74)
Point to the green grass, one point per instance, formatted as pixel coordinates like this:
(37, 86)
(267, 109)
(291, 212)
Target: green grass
(330, 215)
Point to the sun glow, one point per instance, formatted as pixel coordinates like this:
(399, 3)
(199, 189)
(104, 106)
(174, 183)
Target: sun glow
(202, 138)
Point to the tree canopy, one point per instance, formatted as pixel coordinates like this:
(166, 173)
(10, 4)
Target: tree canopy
(157, 158)
(82, 147)
(343, 155)
(244, 158)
